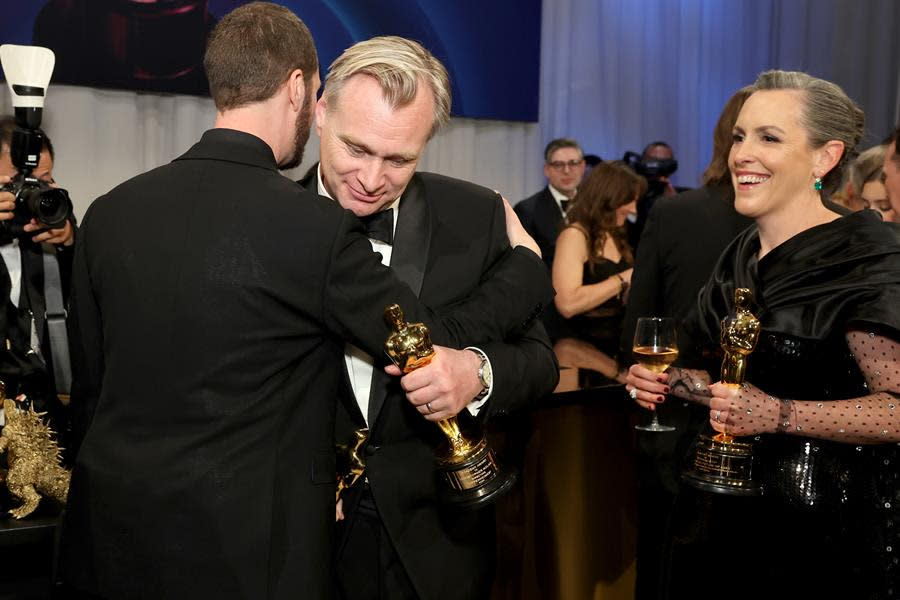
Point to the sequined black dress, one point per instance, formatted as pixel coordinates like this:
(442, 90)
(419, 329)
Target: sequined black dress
(829, 522)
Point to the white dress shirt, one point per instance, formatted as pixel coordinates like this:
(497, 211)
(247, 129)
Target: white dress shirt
(559, 197)
(12, 257)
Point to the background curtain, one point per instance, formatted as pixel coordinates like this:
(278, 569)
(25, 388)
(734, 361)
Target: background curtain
(615, 74)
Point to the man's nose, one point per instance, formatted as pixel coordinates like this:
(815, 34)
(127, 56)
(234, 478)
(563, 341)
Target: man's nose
(370, 175)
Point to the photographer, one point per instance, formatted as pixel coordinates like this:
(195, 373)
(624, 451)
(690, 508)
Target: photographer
(656, 164)
(25, 356)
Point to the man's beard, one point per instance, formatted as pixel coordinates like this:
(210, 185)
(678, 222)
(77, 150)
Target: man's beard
(301, 136)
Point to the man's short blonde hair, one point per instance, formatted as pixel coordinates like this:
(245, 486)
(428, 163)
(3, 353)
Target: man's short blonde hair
(399, 65)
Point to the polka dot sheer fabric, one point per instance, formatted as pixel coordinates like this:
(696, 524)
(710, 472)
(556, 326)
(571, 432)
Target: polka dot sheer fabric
(874, 418)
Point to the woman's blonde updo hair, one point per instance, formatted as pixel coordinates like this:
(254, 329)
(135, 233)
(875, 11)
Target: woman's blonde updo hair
(828, 114)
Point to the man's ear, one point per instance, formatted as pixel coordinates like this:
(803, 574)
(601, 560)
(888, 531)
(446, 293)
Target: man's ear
(321, 114)
(296, 89)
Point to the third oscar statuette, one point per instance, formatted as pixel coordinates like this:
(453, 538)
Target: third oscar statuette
(469, 469)
(723, 464)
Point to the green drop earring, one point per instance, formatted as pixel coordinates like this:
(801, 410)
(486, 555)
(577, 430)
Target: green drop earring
(818, 184)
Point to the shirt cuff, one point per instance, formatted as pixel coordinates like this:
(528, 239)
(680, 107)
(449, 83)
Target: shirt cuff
(475, 405)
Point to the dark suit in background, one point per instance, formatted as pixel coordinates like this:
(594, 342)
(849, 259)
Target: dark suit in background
(542, 218)
(448, 233)
(209, 349)
(683, 238)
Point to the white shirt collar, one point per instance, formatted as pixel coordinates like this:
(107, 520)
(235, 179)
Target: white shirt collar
(558, 196)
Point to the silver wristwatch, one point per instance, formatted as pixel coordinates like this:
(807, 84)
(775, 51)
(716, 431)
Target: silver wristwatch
(485, 377)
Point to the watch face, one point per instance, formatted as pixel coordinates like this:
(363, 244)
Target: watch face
(485, 374)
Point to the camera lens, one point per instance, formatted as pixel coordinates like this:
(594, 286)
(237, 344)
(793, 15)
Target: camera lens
(50, 206)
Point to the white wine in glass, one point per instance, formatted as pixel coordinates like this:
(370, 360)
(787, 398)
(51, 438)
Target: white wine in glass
(655, 348)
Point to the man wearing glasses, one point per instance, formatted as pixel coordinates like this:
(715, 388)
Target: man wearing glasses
(542, 214)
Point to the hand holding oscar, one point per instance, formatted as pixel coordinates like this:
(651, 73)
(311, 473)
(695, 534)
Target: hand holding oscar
(469, 471)
(723, 464)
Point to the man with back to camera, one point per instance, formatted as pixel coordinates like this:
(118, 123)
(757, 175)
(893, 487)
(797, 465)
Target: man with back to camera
(383, 100)
(208, 347)
(26, 359)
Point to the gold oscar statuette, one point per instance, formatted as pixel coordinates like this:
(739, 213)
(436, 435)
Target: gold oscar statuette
(723, 464)
(350, 463)
(469, 470)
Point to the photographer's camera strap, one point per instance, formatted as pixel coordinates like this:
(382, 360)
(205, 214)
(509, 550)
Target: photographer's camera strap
(56, 322)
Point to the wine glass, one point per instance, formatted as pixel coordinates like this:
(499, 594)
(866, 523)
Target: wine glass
(655, 348)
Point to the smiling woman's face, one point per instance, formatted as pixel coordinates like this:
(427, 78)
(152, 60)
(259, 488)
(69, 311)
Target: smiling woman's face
(771, 161)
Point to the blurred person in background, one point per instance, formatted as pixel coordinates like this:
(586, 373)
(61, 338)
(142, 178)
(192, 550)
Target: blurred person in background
(542, 214)
(866, 170)
(657, 164)
(891, 172)
(593, 263)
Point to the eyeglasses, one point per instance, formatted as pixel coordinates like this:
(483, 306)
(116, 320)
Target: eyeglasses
(559, 165)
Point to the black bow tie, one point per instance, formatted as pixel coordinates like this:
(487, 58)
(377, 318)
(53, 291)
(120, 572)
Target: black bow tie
(380, 225)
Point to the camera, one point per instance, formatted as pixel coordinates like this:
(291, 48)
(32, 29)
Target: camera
(35, 199)
(652, 170)
(28, 70)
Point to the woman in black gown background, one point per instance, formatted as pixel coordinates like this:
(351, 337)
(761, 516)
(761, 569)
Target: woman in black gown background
(593, 264)
(823, 383)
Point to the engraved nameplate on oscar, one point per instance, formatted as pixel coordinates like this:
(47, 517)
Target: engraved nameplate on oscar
(470, 473)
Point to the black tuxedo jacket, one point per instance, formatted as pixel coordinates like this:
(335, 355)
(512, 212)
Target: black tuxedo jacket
(685, 234)
(210, 301)
(448, 232)
(542, 219)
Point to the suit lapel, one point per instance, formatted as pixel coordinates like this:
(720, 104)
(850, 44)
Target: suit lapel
(549, 216)
(409, 256)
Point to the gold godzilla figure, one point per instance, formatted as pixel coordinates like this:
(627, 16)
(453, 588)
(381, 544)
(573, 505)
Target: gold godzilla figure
(33, 457)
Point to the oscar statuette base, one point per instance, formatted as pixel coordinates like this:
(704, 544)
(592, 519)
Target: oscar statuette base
(475, 479)
(723, 465)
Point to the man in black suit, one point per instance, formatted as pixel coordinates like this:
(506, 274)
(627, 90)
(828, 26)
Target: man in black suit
(383, 100)
(208, 345)
(542, 214)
